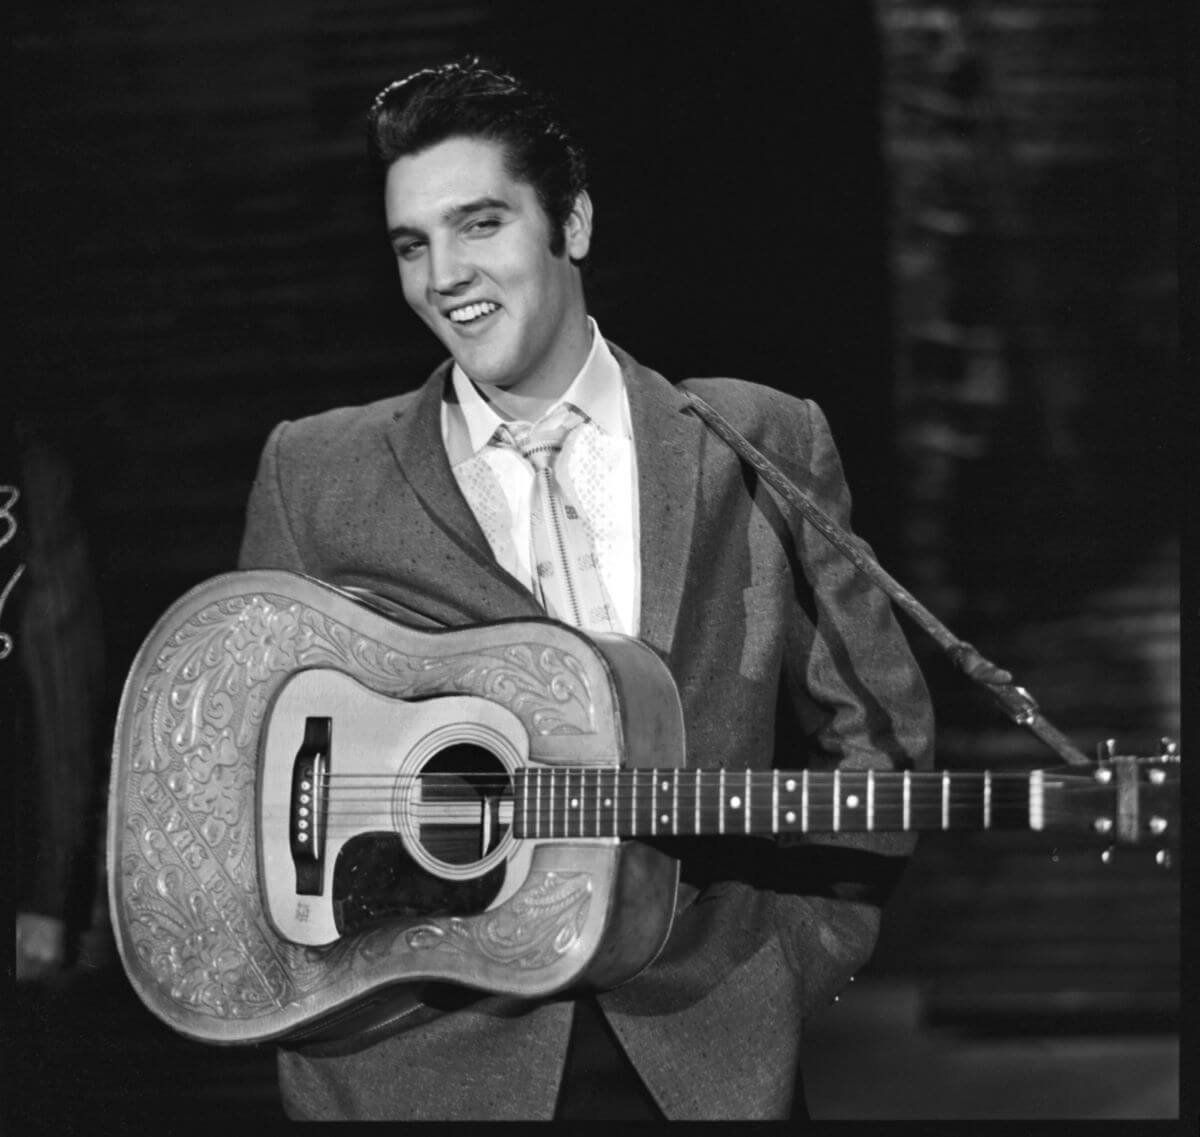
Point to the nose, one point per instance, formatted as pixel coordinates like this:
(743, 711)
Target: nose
(449, 271)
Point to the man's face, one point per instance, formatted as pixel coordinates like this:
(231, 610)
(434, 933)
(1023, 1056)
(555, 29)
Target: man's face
(473, 248)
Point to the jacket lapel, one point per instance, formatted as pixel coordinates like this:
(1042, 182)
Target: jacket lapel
(668, 442)
(488, 592)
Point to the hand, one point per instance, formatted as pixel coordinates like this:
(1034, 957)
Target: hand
(41, 942)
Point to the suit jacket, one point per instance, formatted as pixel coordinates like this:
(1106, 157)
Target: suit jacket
(782, 654)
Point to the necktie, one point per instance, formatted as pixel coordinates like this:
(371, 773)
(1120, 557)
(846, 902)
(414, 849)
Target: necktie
(566, 579)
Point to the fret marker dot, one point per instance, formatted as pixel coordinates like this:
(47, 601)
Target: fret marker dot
(852, 801)
(664, 818)
(574, 803)
(735, 803)
(608, 803)
(790, 784)
(665, 785)
(791, 816)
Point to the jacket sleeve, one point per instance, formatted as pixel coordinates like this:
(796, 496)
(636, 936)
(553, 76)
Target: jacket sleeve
(268, 539)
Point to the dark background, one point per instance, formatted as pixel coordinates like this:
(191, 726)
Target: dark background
(951, 224)
(201, 253)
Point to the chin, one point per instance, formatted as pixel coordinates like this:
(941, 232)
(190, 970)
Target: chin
(486, 372)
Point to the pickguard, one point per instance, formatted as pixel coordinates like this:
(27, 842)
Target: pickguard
(375, 879)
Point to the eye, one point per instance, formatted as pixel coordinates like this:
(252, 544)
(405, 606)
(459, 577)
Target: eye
(483, 226)
(409, 250)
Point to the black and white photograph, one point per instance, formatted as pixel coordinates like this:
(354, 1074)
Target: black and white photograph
(572, 561)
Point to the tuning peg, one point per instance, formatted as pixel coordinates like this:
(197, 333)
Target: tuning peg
(1170, 749)
(1163, 859)
(1107, 856)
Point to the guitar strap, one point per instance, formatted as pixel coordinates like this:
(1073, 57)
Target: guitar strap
(1015, 701)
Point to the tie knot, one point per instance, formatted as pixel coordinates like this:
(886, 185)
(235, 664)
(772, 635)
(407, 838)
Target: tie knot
(540, 443)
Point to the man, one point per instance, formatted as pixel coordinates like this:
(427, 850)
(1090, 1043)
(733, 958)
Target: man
(781, 652)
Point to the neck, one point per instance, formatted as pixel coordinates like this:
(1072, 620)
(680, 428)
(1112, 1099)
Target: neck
(609, 802)
(534, 394)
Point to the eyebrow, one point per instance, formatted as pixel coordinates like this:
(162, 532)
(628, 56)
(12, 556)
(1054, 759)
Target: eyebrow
(452, 215)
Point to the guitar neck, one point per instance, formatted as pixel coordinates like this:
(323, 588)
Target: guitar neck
(610, 802)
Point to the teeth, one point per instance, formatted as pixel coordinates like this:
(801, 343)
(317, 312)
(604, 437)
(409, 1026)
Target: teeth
(472, 311)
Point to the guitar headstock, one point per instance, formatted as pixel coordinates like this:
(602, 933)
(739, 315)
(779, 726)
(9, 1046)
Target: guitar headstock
(1146, 797)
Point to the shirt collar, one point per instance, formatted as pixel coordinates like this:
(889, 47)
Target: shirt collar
(598, 390)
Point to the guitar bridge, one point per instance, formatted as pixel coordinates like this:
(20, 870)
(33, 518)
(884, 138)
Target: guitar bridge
(306, 815)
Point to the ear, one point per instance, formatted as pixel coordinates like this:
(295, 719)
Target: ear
(578, 229)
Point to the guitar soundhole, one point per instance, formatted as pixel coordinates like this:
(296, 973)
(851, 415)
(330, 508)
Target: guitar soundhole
(459, 811)
(465, 806)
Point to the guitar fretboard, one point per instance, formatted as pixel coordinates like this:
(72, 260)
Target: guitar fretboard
(610, 802)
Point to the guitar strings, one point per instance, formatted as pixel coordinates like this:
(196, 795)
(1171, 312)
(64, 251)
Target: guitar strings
(926, 794)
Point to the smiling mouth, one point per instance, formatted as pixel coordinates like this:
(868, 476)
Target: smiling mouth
(469, 313)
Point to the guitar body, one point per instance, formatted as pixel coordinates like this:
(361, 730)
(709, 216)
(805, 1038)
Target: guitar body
(311, 815)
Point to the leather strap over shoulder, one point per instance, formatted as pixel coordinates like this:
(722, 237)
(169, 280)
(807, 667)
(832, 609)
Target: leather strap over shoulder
(1015, 701)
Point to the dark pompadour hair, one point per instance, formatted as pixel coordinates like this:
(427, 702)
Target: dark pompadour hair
(466, 99)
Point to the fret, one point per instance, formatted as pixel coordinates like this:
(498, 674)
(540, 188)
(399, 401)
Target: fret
(525, 802)
(566, 802)
(555, 797)
(610, 798)
(907, 801)
(1037, 800)
(618, 801)
(746, 825)
(664, 786)
(577, 800)
(987, 799)
(774, 801)
(790, 815)
(853, 817)
(946, 799)
(531, 802)
(804, 802)
(633, 804)
(969, 807)
(559, 797)
(1012, 806)
(558, 805)
(696, 784)
(569, 802)
(572, 807)
(871, 800)
(721, 803)
(545, 821)
(537, 802)
(654, 801)
(675, 801)
(837, 801)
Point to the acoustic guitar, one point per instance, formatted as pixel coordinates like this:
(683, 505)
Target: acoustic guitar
(316, 808)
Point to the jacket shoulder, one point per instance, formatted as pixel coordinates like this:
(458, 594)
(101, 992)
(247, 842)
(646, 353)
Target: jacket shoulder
(770, 418)
(342, 428)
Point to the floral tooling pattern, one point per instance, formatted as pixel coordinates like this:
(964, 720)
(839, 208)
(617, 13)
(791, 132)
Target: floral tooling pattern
(184, 797)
